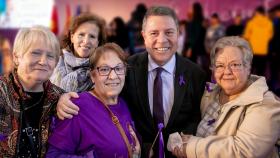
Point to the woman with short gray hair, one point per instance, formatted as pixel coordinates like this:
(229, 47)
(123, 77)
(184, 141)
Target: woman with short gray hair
(233, 41)
(240, 116)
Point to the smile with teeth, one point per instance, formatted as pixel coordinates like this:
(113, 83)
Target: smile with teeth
(85, 47)
(112, 84)
(162, 49)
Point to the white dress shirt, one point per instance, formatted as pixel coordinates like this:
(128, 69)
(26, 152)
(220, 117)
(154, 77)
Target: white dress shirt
(167, 76)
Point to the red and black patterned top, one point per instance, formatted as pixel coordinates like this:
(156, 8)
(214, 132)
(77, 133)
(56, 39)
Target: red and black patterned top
(11, 95)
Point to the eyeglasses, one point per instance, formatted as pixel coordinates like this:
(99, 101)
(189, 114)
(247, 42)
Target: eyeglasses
(106, 70)
(233, 67)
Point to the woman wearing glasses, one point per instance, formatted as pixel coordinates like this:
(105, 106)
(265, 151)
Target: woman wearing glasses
(240, 116)
(109, 131)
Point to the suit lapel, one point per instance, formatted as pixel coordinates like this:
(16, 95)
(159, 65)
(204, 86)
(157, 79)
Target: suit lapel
(141, 78)
(180, 83)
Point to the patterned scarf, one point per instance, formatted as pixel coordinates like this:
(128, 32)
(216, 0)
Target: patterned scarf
(72, 73)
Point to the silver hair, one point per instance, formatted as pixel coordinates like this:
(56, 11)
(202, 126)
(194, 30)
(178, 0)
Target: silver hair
(233, 41)
(160, 11)
(27, 37)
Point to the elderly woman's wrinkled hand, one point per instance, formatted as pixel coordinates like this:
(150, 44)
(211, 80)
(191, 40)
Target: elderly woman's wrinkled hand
(65, 108)
(174, 140)
(185, 138)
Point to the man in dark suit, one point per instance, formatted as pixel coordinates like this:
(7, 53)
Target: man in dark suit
(183, 81)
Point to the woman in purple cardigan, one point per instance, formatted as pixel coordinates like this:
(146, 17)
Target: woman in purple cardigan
(95, 131)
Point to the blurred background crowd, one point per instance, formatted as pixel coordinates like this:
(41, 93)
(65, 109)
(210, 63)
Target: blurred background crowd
(202, 23)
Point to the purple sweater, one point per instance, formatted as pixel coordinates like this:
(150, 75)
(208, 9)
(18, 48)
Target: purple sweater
(91, 133)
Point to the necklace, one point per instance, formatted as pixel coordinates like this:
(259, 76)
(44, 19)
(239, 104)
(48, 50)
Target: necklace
(35, 104)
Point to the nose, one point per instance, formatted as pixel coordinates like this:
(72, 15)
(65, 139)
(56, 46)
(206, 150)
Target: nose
(112, 74)
(86, 39)
(43, 60)
(162, 38)
(227, 70)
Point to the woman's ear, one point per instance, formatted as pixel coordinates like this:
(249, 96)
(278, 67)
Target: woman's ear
(91, 74)
(15, 58)
(71, 37)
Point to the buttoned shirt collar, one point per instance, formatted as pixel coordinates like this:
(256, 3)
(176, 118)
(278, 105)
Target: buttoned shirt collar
(168, 67)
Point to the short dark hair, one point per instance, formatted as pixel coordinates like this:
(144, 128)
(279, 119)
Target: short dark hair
(78, 21)
(95, 56)
(215, 15)
(160, 11)
(260, 9)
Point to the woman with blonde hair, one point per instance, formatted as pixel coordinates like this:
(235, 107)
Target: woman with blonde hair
(27, 97)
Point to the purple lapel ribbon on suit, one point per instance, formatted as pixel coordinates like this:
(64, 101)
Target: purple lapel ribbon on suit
(161, 141)
(181, 80)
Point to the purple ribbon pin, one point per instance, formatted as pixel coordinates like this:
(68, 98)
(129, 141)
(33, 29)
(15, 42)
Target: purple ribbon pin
(208, 87)
(210, 122)
(181, 80)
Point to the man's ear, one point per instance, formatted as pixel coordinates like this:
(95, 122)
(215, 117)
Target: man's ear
(143, 34)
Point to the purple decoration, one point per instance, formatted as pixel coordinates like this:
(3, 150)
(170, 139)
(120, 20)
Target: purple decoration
(181, 80)
(52, 123)
(210, 122)
(208, 88)
(2, 137)
(161, 141)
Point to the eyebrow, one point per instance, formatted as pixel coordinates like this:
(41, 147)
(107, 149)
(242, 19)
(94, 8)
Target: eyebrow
(228, 62)
(168, 29)
(40, 50)
(119, 64)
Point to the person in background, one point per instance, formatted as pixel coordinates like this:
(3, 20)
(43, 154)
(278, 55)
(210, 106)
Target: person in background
(119, 33)
(195, 34)
(275, 52)
(259, 31)
(5, 56)
(99, 135)
(214, 32)
(136, 43)
(27, 97)
(182, 37)
(86, 32)
(240, 116)
(236, 29)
